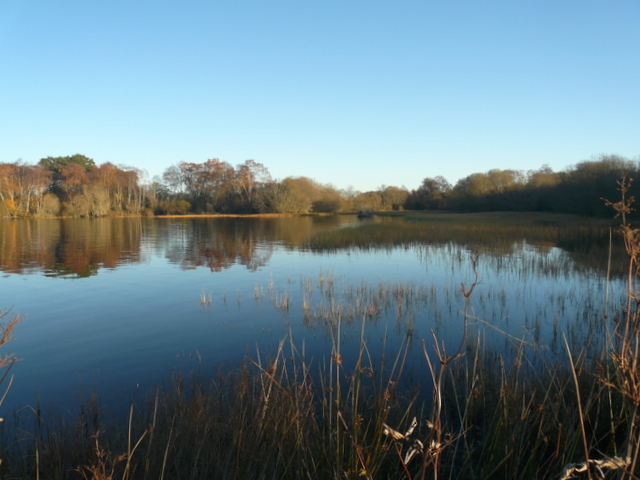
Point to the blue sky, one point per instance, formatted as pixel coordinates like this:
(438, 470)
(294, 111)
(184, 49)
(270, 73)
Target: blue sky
(353, 93)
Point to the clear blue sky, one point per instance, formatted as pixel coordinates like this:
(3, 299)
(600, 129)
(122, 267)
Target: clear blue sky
(354, 93)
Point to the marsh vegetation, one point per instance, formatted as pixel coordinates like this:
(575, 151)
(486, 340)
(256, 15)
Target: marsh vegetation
(509, 340)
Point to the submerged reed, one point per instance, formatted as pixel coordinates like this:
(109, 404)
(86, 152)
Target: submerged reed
(205, 298)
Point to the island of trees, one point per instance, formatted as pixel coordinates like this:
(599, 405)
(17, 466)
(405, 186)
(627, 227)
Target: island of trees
(76, 186)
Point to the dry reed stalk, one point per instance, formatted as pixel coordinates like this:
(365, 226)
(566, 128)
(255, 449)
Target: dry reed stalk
(205, 298)
(268, 380)
(166, 450)
(131, 449)
(7, 360)
(625, 353)
(6, 335)
(585, 443)
(609, 463)
(436, 439)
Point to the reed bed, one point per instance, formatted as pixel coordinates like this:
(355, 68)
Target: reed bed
(479, 412)
(587, 241)
(283, 416)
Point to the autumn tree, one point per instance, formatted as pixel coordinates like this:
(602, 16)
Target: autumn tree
(34, 182)
(431, 195)
(207, 185)
(125, 192)
(173, 179)
(475, 185)
(347, 195)
(156, 192)
(56, 164)
(582, 186)
(50, 205)
(22, 188)
(301, 195)
(291, 195)
(544, 177)
(9, 189)
(368, 202)
(540, 188)
(96, 200)
(328, 199)
(251, 178)
(393, 198)
(73, 177)
(219, 178)
(494, 190)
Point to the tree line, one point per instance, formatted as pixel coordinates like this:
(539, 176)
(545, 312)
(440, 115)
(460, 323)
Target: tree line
(580, 189)
(71, 186)
(76, 186)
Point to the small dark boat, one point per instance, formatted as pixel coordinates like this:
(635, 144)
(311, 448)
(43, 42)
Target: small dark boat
(365, 214)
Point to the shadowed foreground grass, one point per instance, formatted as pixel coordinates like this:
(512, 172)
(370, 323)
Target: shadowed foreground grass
(279, 419)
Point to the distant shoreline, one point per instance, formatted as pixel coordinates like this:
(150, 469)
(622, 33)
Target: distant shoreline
(415, 215)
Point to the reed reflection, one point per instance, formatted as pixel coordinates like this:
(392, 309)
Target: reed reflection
(581, 248)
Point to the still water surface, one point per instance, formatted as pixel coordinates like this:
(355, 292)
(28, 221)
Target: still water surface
(115, 305)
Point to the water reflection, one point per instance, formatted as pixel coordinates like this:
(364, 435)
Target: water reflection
(79, 248)
(68, 248)
(586, 245)
(135, 307)
(216, 245)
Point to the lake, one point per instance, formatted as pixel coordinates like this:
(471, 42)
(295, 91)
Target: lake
(115, 305)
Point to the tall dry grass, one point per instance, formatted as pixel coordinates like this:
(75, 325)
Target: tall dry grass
(286, 416)
(8, 323)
